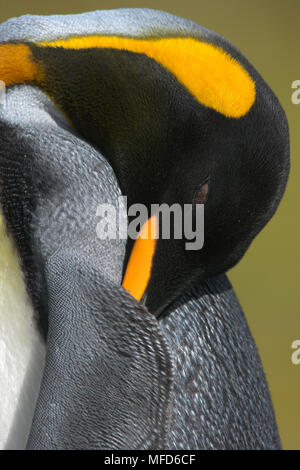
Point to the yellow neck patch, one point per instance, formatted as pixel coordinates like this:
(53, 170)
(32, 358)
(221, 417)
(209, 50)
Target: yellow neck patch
(212, 76)
(138, 271)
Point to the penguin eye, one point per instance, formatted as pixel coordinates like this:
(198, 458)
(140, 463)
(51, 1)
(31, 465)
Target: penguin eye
(201, 193)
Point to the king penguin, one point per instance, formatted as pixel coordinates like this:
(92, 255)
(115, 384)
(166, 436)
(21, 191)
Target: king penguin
(145, 104)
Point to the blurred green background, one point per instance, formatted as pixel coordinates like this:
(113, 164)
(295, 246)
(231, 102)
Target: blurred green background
(267, 279)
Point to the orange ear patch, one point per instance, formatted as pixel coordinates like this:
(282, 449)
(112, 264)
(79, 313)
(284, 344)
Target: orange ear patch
(212, 76)
(16, 64)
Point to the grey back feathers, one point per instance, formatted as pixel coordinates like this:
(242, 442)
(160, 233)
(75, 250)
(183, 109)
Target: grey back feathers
(221, 398)
(122, 22)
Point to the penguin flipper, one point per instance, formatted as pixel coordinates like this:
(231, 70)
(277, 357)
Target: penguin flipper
(107, 379)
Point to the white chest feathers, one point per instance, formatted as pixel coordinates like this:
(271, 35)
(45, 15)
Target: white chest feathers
(22, 351)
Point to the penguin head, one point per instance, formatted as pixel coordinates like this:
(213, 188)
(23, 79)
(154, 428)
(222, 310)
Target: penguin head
(183, 119)
(237, 169)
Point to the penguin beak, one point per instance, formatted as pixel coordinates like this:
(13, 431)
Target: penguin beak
(138, 270)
